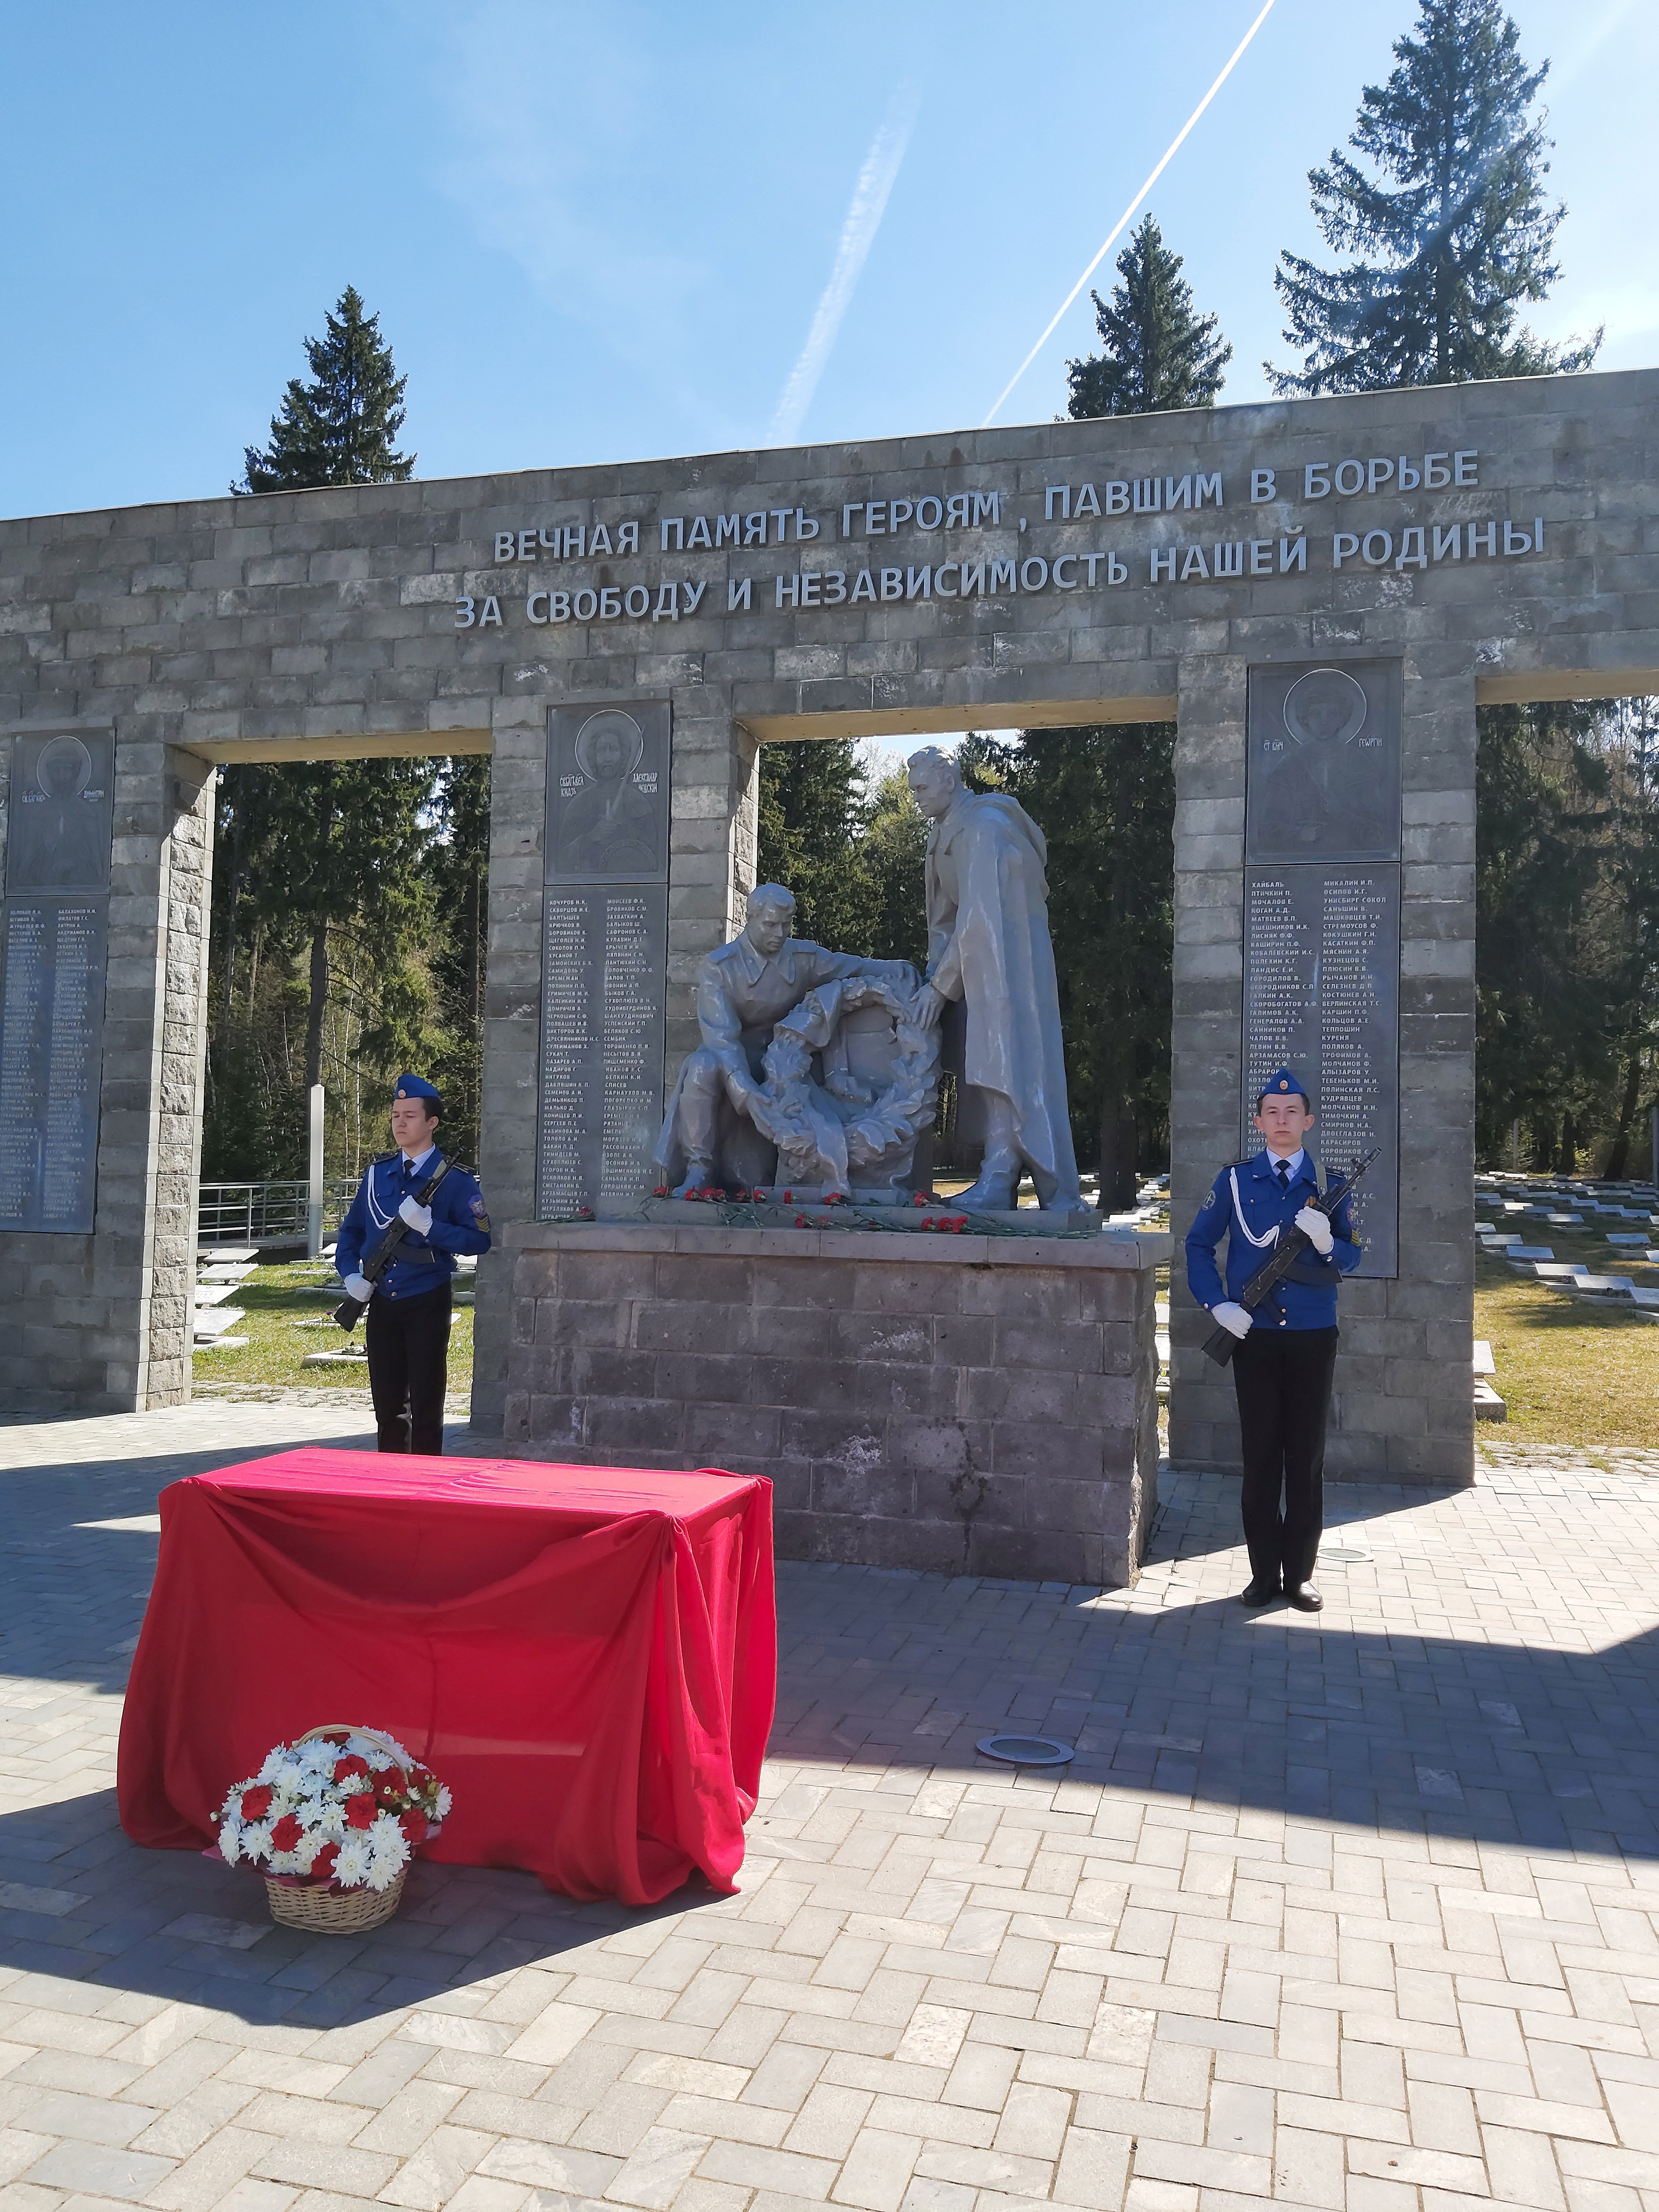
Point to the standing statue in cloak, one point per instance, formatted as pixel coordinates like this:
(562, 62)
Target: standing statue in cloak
(988, 947)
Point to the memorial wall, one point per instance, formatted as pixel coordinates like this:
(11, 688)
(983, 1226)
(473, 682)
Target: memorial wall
(1260, 573)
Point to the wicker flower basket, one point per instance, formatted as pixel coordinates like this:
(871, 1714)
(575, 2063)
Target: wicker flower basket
(325, 1908)
(322, 1909)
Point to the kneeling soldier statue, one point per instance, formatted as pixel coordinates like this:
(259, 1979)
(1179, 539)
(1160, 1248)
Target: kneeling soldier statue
(439, 1211)
(1286, 1351)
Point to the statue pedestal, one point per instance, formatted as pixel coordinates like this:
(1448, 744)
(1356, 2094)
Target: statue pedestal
(967, 1405)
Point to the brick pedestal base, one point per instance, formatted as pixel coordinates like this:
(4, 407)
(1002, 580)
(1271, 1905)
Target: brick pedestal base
(971, 1405)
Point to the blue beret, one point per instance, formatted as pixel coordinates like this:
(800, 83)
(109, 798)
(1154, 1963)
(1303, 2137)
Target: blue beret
(416, 1087)
(1281, 1082)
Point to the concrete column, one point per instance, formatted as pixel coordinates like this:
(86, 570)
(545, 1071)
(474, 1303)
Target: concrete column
(711, 871)
(1404, 1409)
(1207, 1039)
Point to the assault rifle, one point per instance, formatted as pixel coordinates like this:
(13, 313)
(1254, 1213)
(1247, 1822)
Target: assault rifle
(350, 1311)
(1222, 1344)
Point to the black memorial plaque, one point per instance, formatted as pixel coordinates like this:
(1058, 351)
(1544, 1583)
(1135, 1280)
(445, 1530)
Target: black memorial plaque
(1324, 762)
(62, 806)
(605, 955)
(604, 1004)
(52, 1020)
(1322, 918)
(1321, 995)
(607, 793)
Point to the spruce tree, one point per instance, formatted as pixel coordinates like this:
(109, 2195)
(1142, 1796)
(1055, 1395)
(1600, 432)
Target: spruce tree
(340, 428)
(1158, 353)
(1450, 235)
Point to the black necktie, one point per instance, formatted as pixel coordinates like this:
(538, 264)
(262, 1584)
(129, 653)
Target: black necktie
(1283, 1171)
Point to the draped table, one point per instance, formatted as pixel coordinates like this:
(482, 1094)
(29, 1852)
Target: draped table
(586, 1655)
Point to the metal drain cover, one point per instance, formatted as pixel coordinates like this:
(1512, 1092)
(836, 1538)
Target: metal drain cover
(1338, 1555)
(1026, 1750)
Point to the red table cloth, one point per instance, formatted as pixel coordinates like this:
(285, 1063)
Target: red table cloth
(586, 1655)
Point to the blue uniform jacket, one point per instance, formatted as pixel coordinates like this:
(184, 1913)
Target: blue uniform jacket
(1306, 1299)
(460, 1224)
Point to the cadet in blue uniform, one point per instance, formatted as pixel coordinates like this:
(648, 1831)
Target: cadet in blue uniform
(1288, 1350)
(407, 1321)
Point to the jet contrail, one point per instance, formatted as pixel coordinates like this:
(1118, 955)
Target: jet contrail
(1128, 212)
(881, 166)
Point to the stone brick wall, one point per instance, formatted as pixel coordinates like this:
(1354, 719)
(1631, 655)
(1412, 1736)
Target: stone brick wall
(1404, 1404)
(319, 624)
(970, 1406)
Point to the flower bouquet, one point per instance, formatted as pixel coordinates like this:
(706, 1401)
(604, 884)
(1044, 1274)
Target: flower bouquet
(333, 1820)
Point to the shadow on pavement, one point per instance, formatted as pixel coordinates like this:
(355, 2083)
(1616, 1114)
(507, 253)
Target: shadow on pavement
(78, 1899)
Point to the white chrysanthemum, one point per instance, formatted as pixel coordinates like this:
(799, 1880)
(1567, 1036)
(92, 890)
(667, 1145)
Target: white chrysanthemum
(318, 1757)
(352, 1866)
(331, 1820)
(230, 1842)
(256, 1840)
(444, 1801)
(288, 1863)
(390, 1747)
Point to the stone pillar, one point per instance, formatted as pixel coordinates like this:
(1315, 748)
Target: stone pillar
(104, 1322)
(1404, 1409)
(711, 872)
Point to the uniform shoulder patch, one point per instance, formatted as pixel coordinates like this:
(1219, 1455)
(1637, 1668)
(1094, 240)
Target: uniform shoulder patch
(477, 1205)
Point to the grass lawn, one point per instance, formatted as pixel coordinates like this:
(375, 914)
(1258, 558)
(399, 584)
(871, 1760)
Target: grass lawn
(286, 1315)
(1571, 1370)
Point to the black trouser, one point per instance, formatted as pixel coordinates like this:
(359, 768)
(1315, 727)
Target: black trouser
(1283, 1378)
(408, 1366)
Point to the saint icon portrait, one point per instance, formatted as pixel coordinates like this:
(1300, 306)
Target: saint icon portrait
(608, 826)
(1323, 788)
(61, 834)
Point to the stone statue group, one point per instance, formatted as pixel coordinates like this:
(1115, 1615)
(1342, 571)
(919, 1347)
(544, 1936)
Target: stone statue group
(820, 1070)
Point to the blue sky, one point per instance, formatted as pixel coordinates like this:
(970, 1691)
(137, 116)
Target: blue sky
(602, 233)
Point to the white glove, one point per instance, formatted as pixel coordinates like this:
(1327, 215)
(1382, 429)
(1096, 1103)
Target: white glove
(1317, 1230)
(359, 1287)
(1235, 1319)
(418, 1216)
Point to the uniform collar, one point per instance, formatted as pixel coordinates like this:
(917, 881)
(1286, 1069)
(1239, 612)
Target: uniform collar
(419, 1165)
(1265, 1168)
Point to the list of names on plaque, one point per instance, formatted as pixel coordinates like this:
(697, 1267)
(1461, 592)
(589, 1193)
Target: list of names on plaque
(1322, 996)
(51, 1035)
(605, 955)
(1322, 918)
(604, 1001)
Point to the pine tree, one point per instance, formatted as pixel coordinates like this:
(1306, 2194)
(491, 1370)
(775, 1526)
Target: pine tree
(340, 428)
(1158, 354)
(1449, 238)
(812, 816)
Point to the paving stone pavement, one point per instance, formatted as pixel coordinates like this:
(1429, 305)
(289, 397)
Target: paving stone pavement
(1357, 1911)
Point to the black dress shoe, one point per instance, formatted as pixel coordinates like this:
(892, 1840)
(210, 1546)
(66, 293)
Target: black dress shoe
(1261, 1592)
(1305, 1598)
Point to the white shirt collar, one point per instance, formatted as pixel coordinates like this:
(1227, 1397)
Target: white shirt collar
(431, 1153)
(1294, 1163)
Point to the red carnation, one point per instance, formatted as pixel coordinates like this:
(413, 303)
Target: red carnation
(285, 1836)
(345, 1768)
(661, 1191)
(323, 1865)
(255, 1803)
(413, 1824)
(800, 1221)
(360, 1810)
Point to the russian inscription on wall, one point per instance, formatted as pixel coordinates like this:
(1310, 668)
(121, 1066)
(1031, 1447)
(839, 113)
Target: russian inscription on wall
(605, 955)
(1321, 917)
(52, 978)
